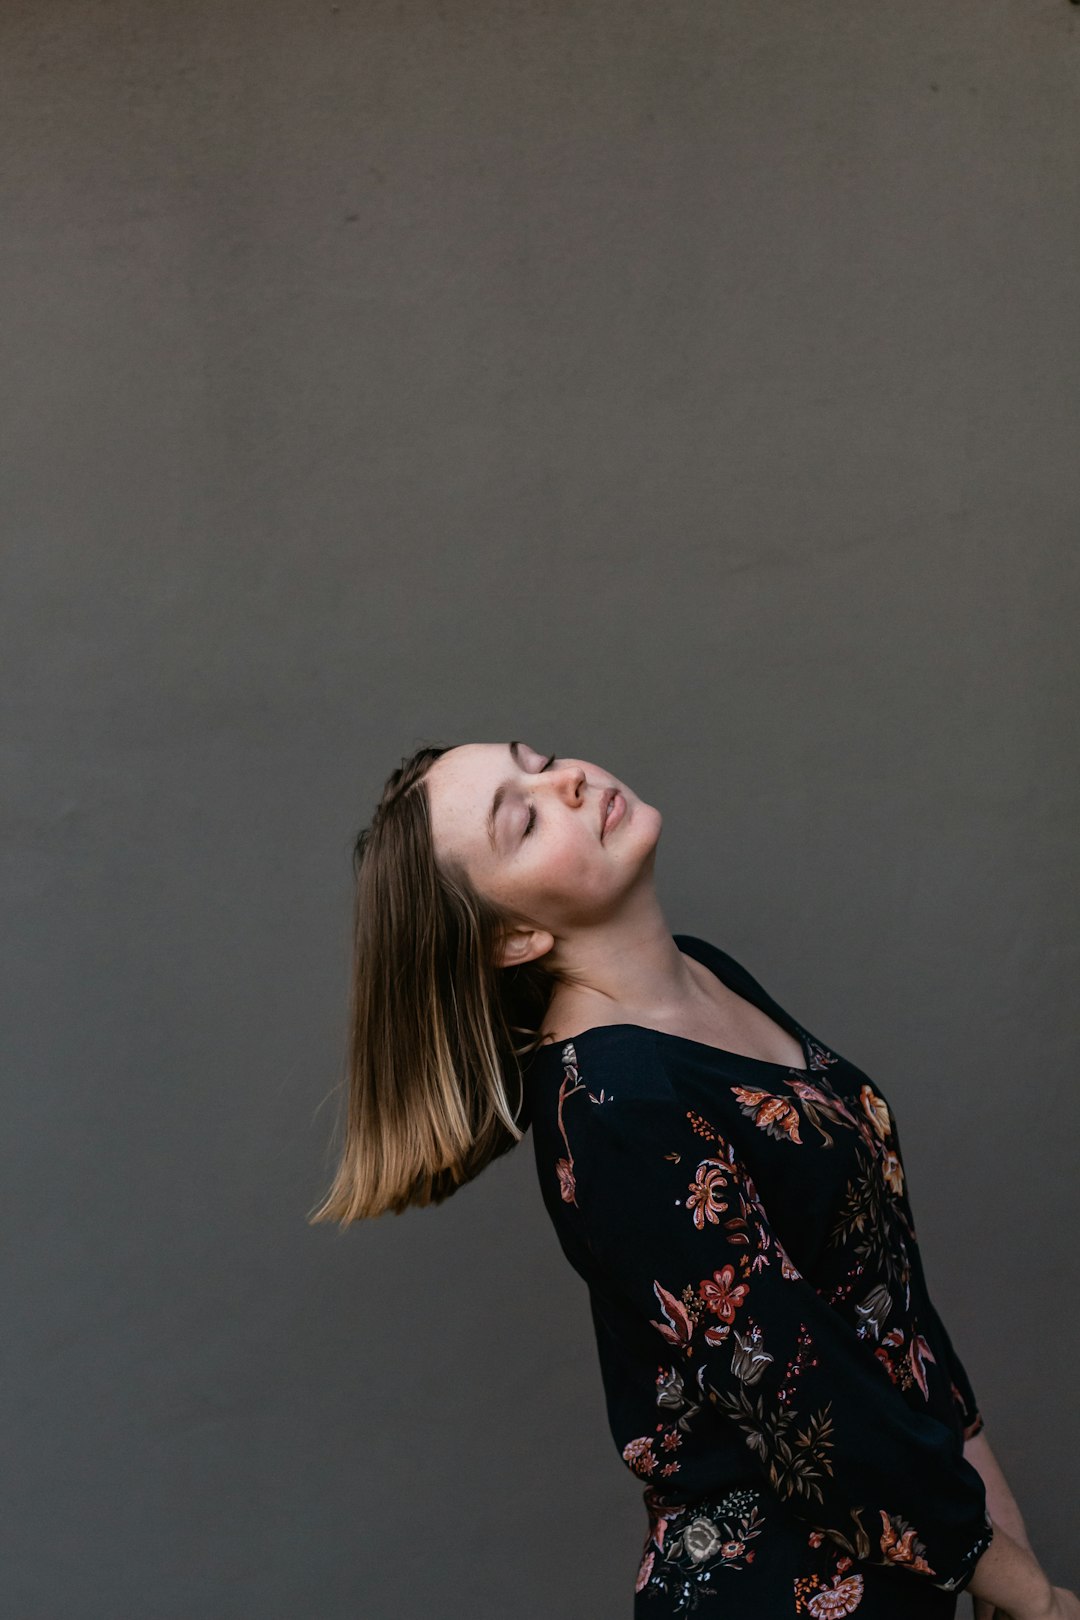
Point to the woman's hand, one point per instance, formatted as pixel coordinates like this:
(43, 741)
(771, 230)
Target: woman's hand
(1066, 1605)
(1061, 1605)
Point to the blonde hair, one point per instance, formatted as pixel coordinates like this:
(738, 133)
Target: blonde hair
(432, 1059)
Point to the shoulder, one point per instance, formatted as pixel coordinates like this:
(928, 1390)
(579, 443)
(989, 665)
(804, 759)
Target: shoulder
(614, 1096)
(613, 1080)
(626, 1152)
(627, 1062)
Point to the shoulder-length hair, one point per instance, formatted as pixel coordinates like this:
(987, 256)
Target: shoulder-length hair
(432, 1089)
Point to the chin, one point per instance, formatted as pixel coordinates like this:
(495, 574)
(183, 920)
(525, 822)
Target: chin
(646, 822)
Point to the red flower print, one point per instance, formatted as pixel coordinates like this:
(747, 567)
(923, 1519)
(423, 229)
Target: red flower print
(918, 1353)
(567, 1186)
(883, 1356)
(900, 1545)
(645, 1571)
(704, 1199)
(722, 1295)
(678, 1326)
(774, 1115)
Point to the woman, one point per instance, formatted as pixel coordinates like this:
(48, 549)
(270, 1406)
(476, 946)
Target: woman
(729, 1187)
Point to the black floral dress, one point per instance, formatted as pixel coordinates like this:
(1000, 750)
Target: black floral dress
(773, 1366)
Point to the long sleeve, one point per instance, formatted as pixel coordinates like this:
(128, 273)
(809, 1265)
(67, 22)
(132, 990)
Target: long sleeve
(964, 1399)
(965, 1404)
(669, 1211)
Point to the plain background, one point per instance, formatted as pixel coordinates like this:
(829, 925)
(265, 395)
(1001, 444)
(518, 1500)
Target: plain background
(691, 388)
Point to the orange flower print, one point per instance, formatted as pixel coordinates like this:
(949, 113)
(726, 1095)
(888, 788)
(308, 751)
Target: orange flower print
(900, 1544)
(722, 1295)
(704, 1200)
(842, 1597)
(774, 1115)
(829, 1602)
(893, 1171)
(645, 1571)
(638, 1455)
(876, 1110)
(567, 1186)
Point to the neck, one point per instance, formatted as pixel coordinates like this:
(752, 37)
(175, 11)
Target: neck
(626, 964)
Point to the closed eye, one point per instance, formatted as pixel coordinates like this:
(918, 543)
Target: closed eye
(530, 820)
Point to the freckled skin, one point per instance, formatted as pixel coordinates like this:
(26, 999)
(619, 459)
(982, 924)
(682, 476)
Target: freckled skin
(560, 878)
(587, 906)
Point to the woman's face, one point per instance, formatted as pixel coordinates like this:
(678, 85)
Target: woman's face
(527, 829)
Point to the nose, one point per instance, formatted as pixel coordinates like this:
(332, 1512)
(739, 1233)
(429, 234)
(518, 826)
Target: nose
(570, 780)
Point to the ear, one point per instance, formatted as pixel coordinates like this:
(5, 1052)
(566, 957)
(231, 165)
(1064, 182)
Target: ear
(523, 945)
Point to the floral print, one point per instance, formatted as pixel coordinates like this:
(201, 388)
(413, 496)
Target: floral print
(876, 1110)
(704, 1199)
(825, 1597)
(774, 1367)
(900, 1546)
(688, 1547)
(769, 1113)
(843, 1594)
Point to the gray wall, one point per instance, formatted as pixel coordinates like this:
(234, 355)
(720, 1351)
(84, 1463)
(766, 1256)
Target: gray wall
(689, 387)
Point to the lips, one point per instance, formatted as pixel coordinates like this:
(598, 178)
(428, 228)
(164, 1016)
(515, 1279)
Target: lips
(606, 801)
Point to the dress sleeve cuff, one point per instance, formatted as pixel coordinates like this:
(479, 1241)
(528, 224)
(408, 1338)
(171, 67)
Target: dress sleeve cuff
(957, 1582)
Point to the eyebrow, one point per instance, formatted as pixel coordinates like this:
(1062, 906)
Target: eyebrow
(500, 795)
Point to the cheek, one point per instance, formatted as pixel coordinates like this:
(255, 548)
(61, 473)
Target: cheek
(573, 868)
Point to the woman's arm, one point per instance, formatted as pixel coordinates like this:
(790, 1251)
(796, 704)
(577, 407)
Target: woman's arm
(1001, 1506)
(1009, 1577)
(1000, 1502)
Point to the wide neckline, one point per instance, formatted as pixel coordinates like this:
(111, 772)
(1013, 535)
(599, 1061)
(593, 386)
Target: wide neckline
(712, 962)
